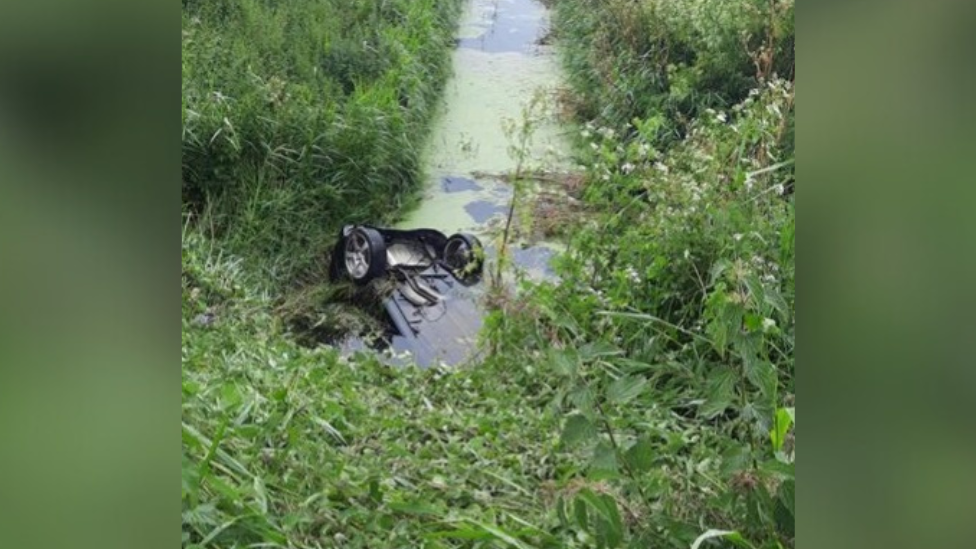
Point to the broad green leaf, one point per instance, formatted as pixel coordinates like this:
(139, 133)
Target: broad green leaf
(736, 459)
(776, 301)
(609, 527)
(625, 389)
(640, 456)
(598, 349)
(594, 502)
(787, 495)
(756, 291)
(726, 322)
(721, 391)
(761, 374)
(580, 514)
(578, 429)
(782, 422)
(610, 532)
(582, 398)
(564, 363)
(779, 469)
(604, 458)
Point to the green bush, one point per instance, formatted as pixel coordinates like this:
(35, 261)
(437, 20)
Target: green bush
(668, 342)
(677, 297)
(627, 58)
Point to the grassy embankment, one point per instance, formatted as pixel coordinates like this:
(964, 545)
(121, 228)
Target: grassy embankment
(668, 346)
(645, 399)
(300, 116)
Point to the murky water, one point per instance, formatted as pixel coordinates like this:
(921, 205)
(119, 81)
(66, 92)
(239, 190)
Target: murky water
(500, 65)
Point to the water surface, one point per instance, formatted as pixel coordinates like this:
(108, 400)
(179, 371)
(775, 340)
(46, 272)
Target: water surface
(500, 65)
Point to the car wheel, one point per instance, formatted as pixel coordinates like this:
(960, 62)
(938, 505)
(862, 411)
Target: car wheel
(364, 255)
(464, 255)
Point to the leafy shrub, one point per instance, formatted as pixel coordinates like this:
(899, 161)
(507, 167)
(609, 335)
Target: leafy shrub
(627, 58)
(668, 342)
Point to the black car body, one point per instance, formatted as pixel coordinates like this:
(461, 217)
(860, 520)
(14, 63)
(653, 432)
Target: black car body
(431, 310)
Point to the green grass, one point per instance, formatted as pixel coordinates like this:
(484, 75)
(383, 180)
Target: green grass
(301, 116)
(297, 447)
(645, 399)
(627, 59)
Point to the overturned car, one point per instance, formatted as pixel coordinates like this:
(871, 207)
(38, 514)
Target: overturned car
(432, 314)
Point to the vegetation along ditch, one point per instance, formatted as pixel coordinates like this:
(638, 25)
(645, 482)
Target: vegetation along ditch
(641, 394)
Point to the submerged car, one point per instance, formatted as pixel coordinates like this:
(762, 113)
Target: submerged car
(431, 312)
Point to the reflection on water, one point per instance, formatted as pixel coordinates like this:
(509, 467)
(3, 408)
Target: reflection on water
(483, 210)
(505, 26)
(457, 184)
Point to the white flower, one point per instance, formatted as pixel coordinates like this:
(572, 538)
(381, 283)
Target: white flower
(779, 188)
(737, 236)
(661, 167)
(687, 253)
(627, 168)
(594, 146)
(585, 133)
(768, 324)
(721, 117)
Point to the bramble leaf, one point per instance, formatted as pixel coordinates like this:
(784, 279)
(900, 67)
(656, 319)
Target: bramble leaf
(578, 429)
(625, 389)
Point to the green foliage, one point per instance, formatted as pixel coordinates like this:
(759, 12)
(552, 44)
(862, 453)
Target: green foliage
(300, 116)
(670, 335)
(676, 58)
(646, 399)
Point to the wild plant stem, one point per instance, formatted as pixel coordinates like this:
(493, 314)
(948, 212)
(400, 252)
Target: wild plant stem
(616, 450)
(508, 222)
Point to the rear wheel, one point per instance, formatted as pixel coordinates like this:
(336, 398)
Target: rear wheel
(464, 255)
(364, 255)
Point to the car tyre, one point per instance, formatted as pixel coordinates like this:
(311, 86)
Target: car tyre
(364, 255)
(464, 255)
